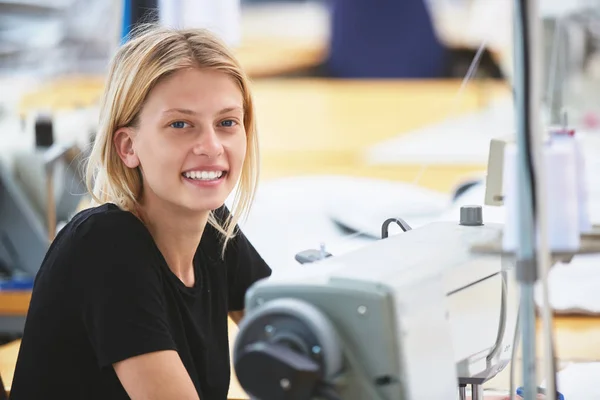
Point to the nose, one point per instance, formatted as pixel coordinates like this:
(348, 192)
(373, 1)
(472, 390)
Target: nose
(208, 144)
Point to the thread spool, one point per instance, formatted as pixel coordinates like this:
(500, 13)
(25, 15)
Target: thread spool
(568, 137)
(561, 198)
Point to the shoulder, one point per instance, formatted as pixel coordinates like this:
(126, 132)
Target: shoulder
(106, 222)
(106, 217)
(111, 248)
(106, 232)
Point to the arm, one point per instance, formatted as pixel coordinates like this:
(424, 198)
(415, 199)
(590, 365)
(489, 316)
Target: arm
(236, 316)
(158, 375)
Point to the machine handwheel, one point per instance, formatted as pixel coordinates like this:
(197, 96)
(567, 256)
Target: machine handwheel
(286, 349)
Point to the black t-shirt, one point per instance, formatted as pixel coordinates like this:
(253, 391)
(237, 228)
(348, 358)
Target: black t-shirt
(104, 293)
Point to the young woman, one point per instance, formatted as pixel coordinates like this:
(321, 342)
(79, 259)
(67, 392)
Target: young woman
(133, 296)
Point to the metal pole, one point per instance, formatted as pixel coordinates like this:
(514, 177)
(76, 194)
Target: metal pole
(526, 99)
(528, 337)
(476, 392)
(462, 392)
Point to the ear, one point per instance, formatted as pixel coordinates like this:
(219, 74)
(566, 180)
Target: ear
(123, 140)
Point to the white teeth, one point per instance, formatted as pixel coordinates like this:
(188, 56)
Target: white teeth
(203, 175)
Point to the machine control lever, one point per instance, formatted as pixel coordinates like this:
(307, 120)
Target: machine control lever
(292, 376)
(386, 226)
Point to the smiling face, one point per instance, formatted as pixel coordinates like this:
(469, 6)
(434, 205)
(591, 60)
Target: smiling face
(189, 141)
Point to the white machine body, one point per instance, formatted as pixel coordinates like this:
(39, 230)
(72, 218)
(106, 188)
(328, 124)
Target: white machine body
(419, 310)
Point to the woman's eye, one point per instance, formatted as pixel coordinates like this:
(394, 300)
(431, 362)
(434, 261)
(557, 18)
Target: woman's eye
(228, 123)
(178, 125)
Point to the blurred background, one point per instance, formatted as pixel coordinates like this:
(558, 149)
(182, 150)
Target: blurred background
(367, 109)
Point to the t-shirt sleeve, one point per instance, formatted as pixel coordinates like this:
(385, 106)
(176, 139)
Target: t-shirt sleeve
(245, 266)
(122, 302)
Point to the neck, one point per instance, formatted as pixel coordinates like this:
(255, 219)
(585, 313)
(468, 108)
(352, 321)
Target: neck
(177, 235)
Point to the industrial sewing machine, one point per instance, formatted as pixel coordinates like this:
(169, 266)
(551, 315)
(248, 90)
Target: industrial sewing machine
(39, 189)
(398, 319)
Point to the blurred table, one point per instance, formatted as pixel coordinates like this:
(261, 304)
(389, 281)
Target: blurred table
(320, 126)
(8, 359)
(14, 303)
(269, 57)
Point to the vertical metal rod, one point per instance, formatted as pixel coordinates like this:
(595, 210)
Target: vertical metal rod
(462, 392)
(527, 104)
(476, 392)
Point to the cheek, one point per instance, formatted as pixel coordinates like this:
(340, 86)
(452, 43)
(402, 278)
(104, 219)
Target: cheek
(237, 151)
(158, 160)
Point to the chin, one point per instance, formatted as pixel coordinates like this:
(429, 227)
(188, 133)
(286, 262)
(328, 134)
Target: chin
(205, 205)
(203, 200)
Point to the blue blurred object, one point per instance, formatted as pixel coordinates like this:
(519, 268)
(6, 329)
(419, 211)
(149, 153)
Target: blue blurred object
(559, 396)
(17, 283)
(135, 12)
(384, 39)
(126, 20)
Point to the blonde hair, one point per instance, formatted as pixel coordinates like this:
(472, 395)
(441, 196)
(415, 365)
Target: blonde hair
(151, 54)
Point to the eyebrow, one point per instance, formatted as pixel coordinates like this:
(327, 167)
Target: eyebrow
(192, 112)
(230, 109)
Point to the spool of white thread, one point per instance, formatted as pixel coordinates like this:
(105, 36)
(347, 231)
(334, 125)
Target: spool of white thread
(562, 211)
(570, 138)
(562, 197)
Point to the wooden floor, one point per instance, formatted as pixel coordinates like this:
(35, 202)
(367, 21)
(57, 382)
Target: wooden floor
(313, 127)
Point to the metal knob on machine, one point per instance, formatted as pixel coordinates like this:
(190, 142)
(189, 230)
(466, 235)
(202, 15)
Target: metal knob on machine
(44, 131)
(287, 349)
(471, 215)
